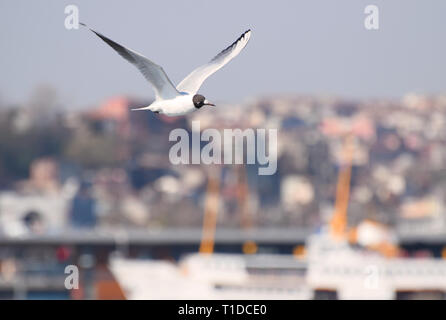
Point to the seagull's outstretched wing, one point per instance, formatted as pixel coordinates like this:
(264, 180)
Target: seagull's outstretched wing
(164, 89)
(194, 80)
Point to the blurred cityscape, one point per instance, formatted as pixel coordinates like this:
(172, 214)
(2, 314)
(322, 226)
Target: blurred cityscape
(85, 187)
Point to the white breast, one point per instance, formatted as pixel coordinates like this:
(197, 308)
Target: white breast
(174, 107)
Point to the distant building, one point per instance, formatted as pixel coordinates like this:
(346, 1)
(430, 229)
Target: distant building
(82, 211)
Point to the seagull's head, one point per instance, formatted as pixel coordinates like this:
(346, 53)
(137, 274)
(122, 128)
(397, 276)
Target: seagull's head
(200, 101)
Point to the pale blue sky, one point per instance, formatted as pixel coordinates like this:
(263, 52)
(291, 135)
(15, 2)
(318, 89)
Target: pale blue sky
(303, 47)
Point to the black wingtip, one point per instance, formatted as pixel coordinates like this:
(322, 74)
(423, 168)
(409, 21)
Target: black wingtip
(244, 34)
(95, 32)
(232, 45)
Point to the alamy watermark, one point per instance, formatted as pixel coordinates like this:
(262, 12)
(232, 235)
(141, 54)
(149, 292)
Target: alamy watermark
(371, 21)
(72, 279)
(372, 277)
(72, 18)
(226, 147)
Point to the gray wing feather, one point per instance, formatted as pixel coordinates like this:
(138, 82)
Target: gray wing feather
(195, 79)
(154, 73)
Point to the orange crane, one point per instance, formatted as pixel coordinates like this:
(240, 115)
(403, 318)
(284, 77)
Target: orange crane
(338, 223)
(249, 247)
(210, 212)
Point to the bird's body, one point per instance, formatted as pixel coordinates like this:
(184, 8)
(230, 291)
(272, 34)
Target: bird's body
(183, 99)
(178, 106)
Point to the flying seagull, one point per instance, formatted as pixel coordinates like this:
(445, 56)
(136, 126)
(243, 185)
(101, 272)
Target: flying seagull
(184, 98)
